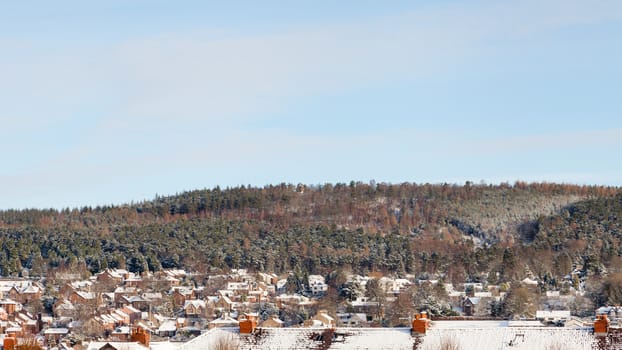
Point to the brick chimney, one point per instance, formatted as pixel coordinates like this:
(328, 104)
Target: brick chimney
(141, 335)
(601, 325)
(421, 323)
(248, 323)
(10, 343)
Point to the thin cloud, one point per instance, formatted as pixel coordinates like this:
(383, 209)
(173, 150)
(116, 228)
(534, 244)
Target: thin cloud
(534, 143)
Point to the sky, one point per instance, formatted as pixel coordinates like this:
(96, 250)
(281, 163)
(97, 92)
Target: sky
(108, 102)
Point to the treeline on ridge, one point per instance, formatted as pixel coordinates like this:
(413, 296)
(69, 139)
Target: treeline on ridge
(462, 232)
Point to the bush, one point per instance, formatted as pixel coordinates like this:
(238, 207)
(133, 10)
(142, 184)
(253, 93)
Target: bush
(449, 343)
(226, 342)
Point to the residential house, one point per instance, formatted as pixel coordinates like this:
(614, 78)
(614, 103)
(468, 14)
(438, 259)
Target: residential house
(194, 308)
(79, 297)
(224, 321)
(11, 306)
(167, 329)
(558, 317)
(470, 306)
(321, 319)
(350, 319)
(317, 286)
(181, 294)
(272, 322)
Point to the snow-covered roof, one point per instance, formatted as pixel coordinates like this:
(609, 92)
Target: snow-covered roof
(116, 345)
(168, 326)
(308, 338)
(553, 314)
(485, 335)
(194, 303)
(529, 281)
(61, 331)
(474, 301)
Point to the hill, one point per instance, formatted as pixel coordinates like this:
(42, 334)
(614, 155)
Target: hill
(463, 232)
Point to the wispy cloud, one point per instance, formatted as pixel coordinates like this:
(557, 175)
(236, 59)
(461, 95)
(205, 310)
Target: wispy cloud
(164, 101)
(555, 141)
(195, 76)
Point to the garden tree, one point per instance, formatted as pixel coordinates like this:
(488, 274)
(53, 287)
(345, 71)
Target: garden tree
(508, 264)
(612, 289)
(35, 306)
(328, 302)
(90, 329)
(581, 306)
(520, 301)
(137, 264)
(265, 310)
(431, 298)
(38, 267)
(400, 311)
(351, 290)
(293, 316)
(374, 292)
(294, 284)
(596, 291)
(336, 279)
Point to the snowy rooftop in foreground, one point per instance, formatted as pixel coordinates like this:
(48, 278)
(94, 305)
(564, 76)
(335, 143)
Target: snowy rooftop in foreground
(468, 334)
(308, 338)
(511, 338)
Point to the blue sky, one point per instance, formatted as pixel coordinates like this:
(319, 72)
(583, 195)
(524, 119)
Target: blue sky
(115, 101)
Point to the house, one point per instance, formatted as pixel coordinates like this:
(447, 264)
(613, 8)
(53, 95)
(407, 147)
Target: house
(224, 321)
(180, 295)
(121, 334)
(470, 306)
(558, 317)
(133, 280)
(364, 305)
(134, 314)
(54, 335)
(121, 292)
(11, 306)
(68, 288)
(317, 285)
(63, 308)
(167, 329)
(272, 322)
(224, 303)
(268, 278)
(194, 308)
(30, 293)
(351, 319)
(80, 297)
(111, 276)
(291, 300)
(321, 319)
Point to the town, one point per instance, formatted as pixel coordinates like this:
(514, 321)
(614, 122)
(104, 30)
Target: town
(117, 308)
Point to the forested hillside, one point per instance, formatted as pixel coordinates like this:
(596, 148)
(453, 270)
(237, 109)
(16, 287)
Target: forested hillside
(465, 232)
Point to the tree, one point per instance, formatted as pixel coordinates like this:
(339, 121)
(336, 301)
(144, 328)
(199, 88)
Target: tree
(374, 292)
(520, 301)
(351, 290)
(400, 311)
